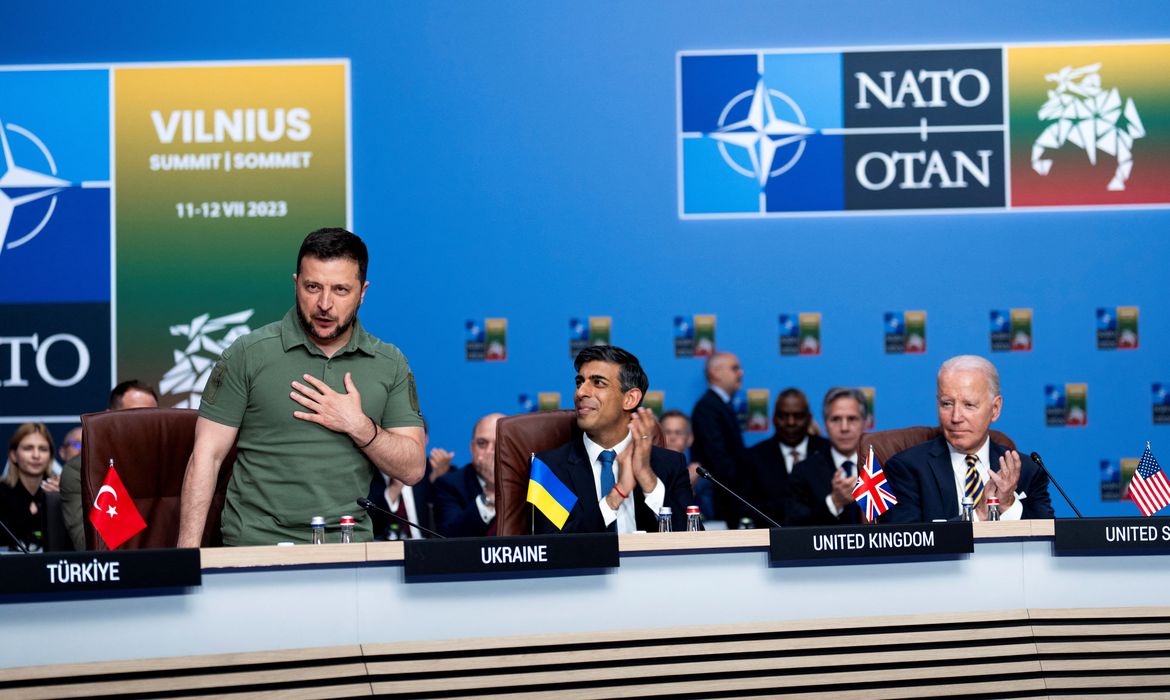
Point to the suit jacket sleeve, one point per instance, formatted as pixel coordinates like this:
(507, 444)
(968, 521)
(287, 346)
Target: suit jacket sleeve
(718, 456)
(71, 509)
(1038, 504)
(906, 486)
(455, 511)
(803, 507)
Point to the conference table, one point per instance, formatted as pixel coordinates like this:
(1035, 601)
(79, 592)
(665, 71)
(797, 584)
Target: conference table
(700, 613)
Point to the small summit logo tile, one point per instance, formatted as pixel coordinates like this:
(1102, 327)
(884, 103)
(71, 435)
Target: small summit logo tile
(1066, 405)
(1117, 329)
(1011, 330)
(694, 336)
(1161, 403)
(757, 410)
(542, 401)
(905, 332)
(487, 340)
(593, 331)
(800, 334)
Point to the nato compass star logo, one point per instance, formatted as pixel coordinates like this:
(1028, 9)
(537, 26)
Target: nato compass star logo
(20, 185)
(761, 133)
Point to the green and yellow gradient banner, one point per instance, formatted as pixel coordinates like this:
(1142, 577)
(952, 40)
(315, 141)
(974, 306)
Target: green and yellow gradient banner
(221, 171)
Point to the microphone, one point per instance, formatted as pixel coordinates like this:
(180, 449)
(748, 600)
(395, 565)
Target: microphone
(1040, 463)
(19, 545)
(368, 505)
(706, 474)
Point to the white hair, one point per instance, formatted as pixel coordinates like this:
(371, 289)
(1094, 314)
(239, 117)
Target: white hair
(973, 363)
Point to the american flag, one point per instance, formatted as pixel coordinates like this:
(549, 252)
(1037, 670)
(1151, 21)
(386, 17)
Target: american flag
(1149, 488)
(872, 492)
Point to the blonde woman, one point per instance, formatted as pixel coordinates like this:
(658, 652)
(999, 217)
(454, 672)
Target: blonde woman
(22, 491)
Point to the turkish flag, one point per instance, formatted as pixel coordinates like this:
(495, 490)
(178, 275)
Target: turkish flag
(113, 513)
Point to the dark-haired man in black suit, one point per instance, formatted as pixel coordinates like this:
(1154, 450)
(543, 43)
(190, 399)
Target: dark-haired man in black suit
(822, 484)
(619, 477)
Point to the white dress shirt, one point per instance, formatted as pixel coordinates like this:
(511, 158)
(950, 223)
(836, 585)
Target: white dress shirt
(839, 460)
(982, 465)
(624, 515)
(786, 452)
(407, 496)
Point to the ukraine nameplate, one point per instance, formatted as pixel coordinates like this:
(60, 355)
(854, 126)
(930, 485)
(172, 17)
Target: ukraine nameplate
(1112, 536)
(77, 572)
(917, 540)
(503, 555)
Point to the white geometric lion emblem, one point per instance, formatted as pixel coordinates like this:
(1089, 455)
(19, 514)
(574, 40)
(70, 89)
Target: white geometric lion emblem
(194, 362)
(1088, 116)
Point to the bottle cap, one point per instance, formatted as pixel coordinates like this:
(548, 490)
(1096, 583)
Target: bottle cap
(992, 501)
(692, 510)
(968, 501)
(347, 520)
(317, 521)
(664, 510)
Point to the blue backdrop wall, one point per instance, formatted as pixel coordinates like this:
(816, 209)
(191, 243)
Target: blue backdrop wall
(519, 160)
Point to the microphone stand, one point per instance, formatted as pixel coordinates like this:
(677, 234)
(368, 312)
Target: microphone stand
(706, 474)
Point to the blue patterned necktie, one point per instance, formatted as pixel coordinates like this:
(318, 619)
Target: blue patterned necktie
(607, 481)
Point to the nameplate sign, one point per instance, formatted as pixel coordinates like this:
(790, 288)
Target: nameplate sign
(843, 542)
(1112, 536)
(74, 572)
(504, 555)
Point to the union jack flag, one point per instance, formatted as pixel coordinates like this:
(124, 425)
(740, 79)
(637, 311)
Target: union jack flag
(1149, 488)
(872, 492)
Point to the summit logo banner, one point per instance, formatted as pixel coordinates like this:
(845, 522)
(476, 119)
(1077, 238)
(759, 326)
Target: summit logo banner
(773, 133)
(919, 129)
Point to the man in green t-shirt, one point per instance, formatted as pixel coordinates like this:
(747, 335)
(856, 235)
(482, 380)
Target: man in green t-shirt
(313, 403)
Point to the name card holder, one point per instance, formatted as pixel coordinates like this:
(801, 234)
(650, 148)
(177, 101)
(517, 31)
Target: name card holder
(863, 544)
(1112, 536)
(85, 572)
(504, 557)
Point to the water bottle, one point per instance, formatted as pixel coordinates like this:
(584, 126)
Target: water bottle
(746, 523)
(318, 526)
(968, 509)
(664, 515)
(347, 529)
(992, 509)
(694, 520)
(395, 532)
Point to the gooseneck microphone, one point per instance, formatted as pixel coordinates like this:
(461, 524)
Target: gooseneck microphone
(19, 545)
(368, 505)
(1040, 463)
(706, 474)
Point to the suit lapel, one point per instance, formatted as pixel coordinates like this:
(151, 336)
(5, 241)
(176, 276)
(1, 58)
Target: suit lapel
(580, 480)
(944, 475)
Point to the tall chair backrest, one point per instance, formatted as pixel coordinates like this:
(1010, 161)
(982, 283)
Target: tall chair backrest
(887, 443)
(150, 448)
(517, 439)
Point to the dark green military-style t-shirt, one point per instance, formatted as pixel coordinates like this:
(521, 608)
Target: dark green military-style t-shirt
(288, 470)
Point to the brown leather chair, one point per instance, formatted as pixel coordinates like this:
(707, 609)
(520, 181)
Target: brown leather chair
(887, 443)
(517, 439)
(150, 448)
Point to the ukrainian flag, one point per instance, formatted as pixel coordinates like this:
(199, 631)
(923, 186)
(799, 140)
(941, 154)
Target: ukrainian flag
(546, 492)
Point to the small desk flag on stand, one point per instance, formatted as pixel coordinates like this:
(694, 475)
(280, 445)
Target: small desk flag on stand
(113, 513)
(549, 494)
(872, 492)
(1149, 488)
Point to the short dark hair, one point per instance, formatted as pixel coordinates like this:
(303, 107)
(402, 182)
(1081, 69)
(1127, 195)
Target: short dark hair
(127, 386)
(630, 372)
(674, 413)
(790, 391)
(334, 243)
